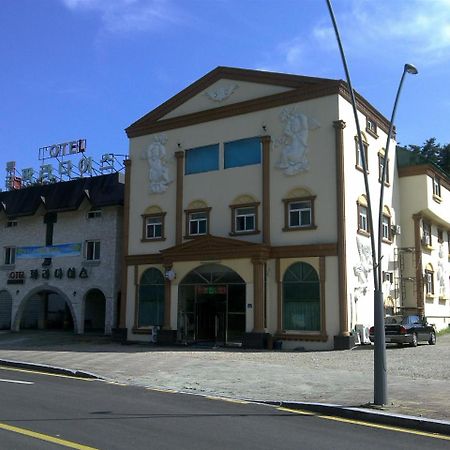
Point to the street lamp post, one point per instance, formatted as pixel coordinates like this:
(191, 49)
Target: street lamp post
(380, 379)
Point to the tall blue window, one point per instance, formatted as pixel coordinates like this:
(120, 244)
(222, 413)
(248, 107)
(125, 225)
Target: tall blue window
(151, 298)
(202, 159)
(242, 153)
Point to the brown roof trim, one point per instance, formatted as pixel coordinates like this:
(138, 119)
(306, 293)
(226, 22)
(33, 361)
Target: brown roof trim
(424, 169)
(273, 78)
(303, 88)
(235, 109)
(196, 253)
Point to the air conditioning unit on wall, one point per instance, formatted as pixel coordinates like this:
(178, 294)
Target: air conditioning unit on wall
(396, 230)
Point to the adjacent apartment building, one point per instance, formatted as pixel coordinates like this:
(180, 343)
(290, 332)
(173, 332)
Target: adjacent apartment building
(62, 254)
(246, 214)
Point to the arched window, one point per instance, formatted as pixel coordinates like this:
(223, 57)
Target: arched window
(301, 298)
(151, 298)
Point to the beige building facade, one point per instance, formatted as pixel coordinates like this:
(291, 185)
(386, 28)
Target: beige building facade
(246, 215)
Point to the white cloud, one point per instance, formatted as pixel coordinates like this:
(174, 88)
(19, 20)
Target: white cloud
(417, 28)
(129, 15)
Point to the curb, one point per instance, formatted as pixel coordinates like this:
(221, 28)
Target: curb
(368, 415)
(49, 369)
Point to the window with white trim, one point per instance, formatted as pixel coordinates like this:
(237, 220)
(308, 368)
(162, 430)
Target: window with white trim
(386, 227)
(10, 256)
(436, 186)
(197, 223)
(363, 222)
(94, 213)
(93, 250)
(429, 282)
(300, 213)
(426, 233)
(153, 227)
(244, 219)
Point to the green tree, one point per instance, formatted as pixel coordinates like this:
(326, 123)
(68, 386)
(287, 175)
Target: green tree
(432, 152)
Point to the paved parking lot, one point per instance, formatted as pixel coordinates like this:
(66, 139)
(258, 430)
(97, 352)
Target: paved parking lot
(418, 378)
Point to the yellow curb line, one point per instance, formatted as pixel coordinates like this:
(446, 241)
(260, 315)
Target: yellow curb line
(369, 424)
(44, 437)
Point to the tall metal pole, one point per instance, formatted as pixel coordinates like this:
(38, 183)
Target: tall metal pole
(380, 370)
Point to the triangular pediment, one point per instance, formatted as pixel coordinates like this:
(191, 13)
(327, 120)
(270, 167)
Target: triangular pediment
(228, 91)
(213, 247)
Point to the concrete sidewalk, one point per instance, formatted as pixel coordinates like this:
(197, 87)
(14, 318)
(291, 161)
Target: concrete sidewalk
(418, 378)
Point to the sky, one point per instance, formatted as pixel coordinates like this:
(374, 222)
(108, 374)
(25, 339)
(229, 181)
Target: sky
(74, 69)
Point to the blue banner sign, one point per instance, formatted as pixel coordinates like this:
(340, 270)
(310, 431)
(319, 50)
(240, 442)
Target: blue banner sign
(49, 251)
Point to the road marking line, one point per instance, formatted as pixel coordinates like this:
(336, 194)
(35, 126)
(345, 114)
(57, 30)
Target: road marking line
(44, 437)
(369, 424)
(296, 411)
(15, 369)
(225, 399)
(15, 381)
(387, 427)
(168, 391)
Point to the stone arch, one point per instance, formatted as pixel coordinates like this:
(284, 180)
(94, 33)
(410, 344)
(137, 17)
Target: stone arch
(45, 289)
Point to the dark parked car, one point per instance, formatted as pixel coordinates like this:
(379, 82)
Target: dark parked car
(410, 329)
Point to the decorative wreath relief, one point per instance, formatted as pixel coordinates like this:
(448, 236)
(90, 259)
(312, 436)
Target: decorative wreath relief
(158, 173)
(221, 93)
(294, 142)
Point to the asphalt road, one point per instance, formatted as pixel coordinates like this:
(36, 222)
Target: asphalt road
(72, 413)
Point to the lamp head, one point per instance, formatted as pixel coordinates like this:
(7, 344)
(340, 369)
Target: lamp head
(411, 69)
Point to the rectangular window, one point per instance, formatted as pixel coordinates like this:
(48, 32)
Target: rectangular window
(10, 255)
(359, 161)
(243, 152)
(363, 223)
(300, 214)
(245, 219)
(426, 236)
(93, 250)
(440, 234)
(371, 126)
(153, 227)
(429, 282)
(386, 228)
(202, 159)
(198, 223)
(94, 213)
(436, 186)
(388, 276)
(381, 163)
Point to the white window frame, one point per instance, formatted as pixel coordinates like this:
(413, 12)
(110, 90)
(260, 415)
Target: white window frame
(298, 211)
(151, 225)
(94, 213)
(436, 186)
(10, 256)
(363, 218)
(195, 219)
(429, 282)
(426, 236)
(386, 227)
(245, 216)
(93, 250)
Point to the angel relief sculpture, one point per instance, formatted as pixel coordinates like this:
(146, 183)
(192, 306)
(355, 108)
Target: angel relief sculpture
(158, 173)
(294, 142)
(362, 268)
